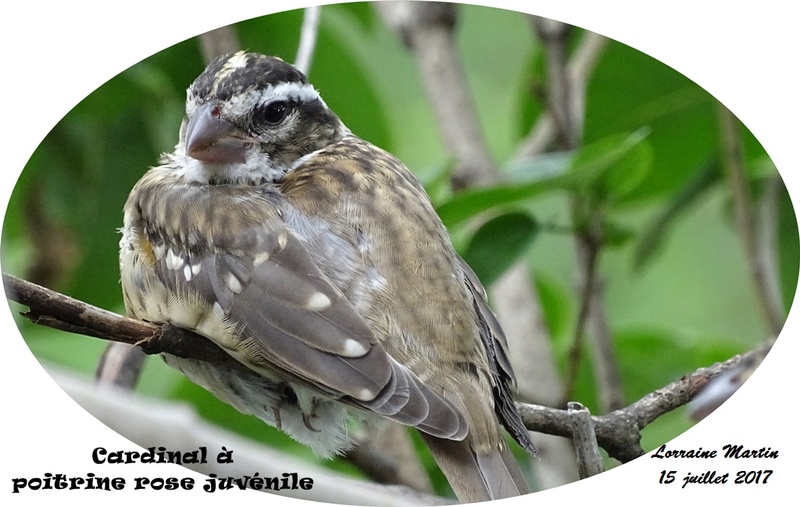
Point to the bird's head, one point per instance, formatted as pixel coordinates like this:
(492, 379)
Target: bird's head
(250, 118)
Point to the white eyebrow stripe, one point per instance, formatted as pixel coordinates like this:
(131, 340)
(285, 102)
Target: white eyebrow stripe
(302, 92)
(240, 105)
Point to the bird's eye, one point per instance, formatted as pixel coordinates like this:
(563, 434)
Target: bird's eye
(272, 113)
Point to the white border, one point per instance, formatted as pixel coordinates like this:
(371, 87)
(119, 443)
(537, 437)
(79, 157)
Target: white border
(742, 53)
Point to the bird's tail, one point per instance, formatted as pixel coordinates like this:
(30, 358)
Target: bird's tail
(477, 477)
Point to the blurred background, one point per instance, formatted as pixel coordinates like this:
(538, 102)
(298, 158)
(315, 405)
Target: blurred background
(655, 235)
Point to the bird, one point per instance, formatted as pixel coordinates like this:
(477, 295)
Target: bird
(316, 260)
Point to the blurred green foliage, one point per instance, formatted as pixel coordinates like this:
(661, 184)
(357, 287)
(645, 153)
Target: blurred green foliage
(678, 292)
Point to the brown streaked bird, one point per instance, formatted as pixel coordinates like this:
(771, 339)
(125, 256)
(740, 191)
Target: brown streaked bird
(317, 261)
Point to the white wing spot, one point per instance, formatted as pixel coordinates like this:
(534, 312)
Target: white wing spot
(174, 261)
(233, 283)
(283, 239)
(365, 395)
(318, 301)
(353, 349)
(260, 259)
(187, 273)
(196, 268)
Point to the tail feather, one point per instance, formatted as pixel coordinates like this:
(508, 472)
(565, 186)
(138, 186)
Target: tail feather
(477, 477)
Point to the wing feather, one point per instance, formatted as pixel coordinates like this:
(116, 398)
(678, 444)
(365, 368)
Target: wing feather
(287, 318)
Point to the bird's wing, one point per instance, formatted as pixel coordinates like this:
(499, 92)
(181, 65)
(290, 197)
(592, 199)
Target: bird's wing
(269, 306)
(496, 345)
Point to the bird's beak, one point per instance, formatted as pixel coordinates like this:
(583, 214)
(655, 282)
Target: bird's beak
(211, 138)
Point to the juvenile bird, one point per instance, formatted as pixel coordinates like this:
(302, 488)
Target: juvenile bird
(317, 261)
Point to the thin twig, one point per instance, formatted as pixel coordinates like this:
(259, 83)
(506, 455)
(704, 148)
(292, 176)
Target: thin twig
(767, 243)
(587, 286)
(566, 106)
(52, 309)
(734, 162)
(308, 38)
(55, 310)
(581, 64)
(218, 42)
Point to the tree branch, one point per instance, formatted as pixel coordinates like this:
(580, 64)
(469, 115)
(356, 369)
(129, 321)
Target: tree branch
(584, 440)
(618, 432)
(218, 42)
(745, 213)
(427, 29)
(566, 106)
(581, 64)
(55, 310)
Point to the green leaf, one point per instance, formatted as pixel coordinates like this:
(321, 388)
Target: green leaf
(498, 243)
(587, 166)
(545, 165)
(469, 203)
(630, 90)
(615, 164)
(623, 177)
